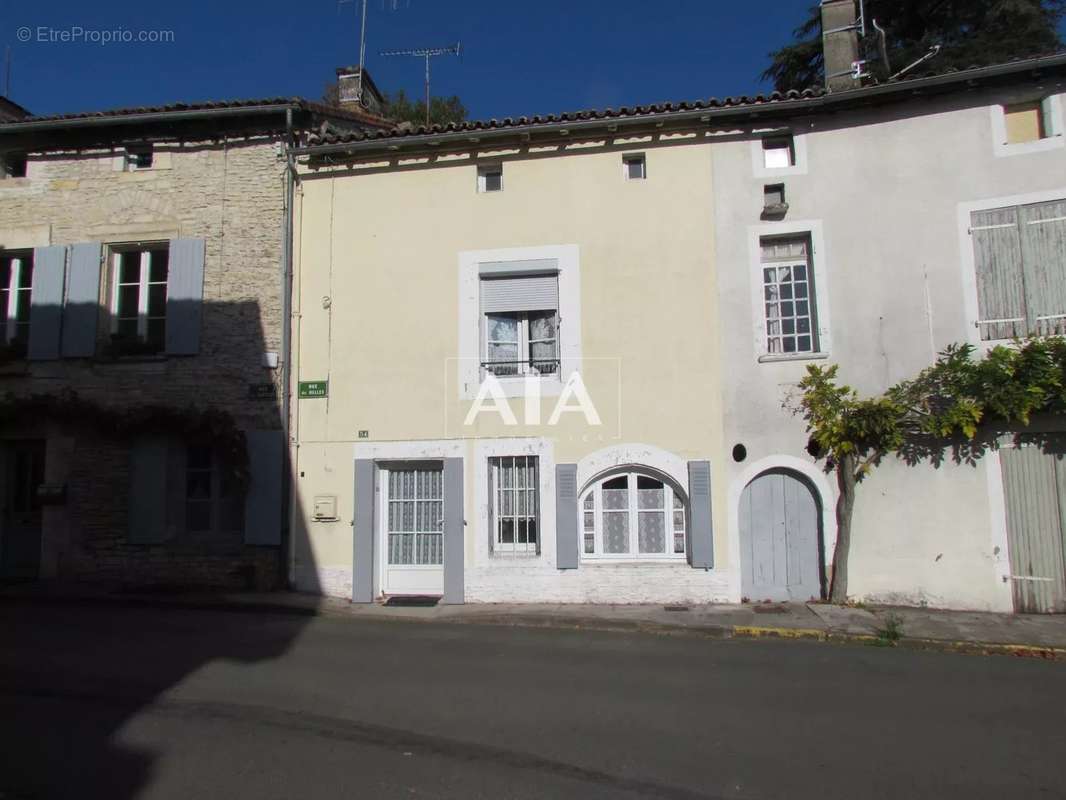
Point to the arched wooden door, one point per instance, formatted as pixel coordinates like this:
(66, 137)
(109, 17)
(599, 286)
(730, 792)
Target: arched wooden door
(780, 539)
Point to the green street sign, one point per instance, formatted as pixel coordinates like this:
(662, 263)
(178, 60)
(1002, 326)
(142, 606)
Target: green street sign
(314, 389)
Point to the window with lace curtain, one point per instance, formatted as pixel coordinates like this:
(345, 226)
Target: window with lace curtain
(515, 504)
(632, 515)
(520, 325)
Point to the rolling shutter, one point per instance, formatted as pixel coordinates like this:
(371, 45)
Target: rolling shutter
(700, 534)
(81, 312)
(185, 294)
(529, 293)
(46, 302)
(567, 554)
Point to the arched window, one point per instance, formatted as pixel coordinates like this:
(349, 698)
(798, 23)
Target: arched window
(633, 515)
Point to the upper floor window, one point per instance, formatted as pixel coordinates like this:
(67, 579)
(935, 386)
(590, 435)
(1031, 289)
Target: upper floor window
(490, 178)
(515, 504)
(213, 501)
(139, 156)
(779, 152)
(520, 323)
(788, 295)
(633, 515)
(13, 165)
(1020, 265)
(1027, 122)
(139, 298)
(16, 280)
(635, 167)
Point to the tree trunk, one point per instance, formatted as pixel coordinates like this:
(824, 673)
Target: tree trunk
(845, 470)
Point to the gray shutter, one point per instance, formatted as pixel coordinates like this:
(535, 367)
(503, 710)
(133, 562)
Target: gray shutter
(46, 302)
(81, 312)
(148, 491)
(567, 553)
(262, 503)
(699, 533)
(1000, 282)
(532, 293)
(1043, 238)
(454, 540)
(363, 532)
(185, 294)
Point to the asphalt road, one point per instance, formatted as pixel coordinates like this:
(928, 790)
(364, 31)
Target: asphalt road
(164, 703)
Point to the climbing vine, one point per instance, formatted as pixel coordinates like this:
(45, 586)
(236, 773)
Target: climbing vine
(962, 404)
(190, 423)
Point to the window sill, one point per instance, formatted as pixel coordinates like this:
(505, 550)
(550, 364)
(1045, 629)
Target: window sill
(634, 562)
(768, 358)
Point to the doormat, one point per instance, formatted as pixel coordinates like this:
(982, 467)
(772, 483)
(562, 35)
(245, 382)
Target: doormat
(419, 600)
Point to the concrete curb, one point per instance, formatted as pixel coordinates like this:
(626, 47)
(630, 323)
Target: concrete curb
(574, 623)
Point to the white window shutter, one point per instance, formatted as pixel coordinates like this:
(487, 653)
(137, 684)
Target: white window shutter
(185, 294)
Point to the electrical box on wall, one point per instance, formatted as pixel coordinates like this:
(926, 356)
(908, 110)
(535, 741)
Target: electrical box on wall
(325, 506)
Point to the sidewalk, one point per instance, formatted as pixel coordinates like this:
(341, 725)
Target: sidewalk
(1041, 636)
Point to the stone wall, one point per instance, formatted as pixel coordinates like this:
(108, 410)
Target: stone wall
(231, 194)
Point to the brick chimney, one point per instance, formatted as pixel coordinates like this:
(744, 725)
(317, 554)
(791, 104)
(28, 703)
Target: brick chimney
(348, 87)
(840, 44)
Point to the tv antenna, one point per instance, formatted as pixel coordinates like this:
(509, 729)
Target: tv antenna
(362, 47)
(427, 53)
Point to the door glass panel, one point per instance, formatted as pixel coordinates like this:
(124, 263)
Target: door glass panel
(415, 517)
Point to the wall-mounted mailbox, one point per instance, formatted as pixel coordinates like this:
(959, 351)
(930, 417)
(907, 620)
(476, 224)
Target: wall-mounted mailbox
(325, 506)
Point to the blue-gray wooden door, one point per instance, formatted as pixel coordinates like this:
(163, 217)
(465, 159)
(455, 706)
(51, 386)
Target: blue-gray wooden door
(780, 542)
(1034, 490)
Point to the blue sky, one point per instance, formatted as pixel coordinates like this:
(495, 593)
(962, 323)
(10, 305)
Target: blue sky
(535, 56)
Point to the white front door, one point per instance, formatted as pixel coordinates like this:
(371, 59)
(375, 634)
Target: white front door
(412, 530)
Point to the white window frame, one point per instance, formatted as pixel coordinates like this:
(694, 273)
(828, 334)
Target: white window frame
(525, 343)
(635, 158)
(496, 518)
(469, 375)
(633, 511)
(13, 296)
(799, 153)
(812, 304)
(143, 285)
(818, 259)
(483, 171)
(1051, 107)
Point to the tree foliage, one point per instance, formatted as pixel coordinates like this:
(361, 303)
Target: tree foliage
(971, 32)
(963, 397)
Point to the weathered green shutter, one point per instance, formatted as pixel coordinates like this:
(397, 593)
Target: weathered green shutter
(46, 302)
(148, 491)
(700, 534)
(567, 553)
(454, 538)
(185, 294)
(363, 532)
(81, 312)
(262, 503)
(1001, 292)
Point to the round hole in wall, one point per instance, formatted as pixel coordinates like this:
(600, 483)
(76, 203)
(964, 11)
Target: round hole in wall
(740, 452)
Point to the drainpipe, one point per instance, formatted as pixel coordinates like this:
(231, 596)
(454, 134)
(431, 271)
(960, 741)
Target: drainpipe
(286, 554)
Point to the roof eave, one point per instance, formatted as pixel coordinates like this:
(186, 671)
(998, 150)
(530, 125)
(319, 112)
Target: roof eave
(775, 108)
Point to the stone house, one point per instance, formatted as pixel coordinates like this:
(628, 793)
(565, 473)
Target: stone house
(143, 269)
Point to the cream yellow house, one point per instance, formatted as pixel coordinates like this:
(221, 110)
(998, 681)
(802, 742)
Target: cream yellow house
(505, 333)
